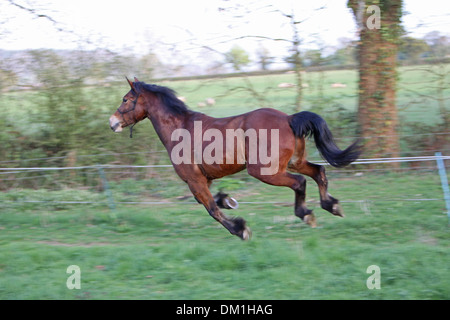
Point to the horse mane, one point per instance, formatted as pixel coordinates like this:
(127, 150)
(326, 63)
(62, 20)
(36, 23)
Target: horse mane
(166, 95)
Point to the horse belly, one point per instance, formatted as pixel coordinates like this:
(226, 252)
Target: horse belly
(216, 171)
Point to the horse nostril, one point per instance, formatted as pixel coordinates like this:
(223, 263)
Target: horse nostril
(114, 124)
(114, 127)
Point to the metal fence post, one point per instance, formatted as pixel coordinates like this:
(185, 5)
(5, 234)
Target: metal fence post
(444, 181)
(111, 203)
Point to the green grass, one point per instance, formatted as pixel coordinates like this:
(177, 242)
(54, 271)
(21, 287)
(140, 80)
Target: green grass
(177, 251)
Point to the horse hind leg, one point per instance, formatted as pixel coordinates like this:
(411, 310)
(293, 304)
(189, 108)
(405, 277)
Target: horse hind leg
(301, 210)
(296, 183)
(327, 202)
(317, 172)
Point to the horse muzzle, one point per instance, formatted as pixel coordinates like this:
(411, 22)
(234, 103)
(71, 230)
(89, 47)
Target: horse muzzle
(115, 125)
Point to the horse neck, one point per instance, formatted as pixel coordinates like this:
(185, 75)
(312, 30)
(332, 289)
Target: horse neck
(164, 121)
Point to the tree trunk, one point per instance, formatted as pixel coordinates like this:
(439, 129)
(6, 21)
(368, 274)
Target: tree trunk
(377, 51)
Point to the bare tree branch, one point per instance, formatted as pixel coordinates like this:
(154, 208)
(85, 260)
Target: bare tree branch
(36, 14)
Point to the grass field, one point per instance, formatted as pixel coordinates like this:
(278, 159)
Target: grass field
(176, 251)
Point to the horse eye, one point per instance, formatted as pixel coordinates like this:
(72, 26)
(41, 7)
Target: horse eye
(124, 99)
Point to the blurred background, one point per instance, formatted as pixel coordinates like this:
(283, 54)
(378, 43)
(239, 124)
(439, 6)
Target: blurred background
(381, 74)
(63, 66)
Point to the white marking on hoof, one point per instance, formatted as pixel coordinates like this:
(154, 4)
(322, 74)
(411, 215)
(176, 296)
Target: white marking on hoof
(337, 210)
(311, 220)
(246, 234)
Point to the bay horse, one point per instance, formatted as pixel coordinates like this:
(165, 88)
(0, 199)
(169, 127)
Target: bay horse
(194, 141)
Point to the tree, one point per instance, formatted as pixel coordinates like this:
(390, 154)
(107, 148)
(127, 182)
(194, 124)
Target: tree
(293, 39)
(313, 58)
(264, 57)
(345, 53)
(61, 107)
(439, 45)
(149, 65)
(412, 49)
(379, 30)
(238, 57)
(8, 77)
(296, 58)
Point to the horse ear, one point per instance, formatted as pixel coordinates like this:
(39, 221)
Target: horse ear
(136, 79)
(130, 83)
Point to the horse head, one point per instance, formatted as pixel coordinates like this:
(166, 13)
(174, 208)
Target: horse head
(131, 111)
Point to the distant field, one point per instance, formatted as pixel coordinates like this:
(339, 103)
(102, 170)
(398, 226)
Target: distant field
(230, 100)
(233, 97)
(412, 106)
(177, 251)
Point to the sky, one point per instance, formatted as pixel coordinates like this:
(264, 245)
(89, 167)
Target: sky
(181, 28)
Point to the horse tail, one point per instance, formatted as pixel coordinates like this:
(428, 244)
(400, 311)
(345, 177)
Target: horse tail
(306, 123)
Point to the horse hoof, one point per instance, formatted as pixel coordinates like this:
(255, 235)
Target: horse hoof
(246, 234)
(311, 220)
(337, 210)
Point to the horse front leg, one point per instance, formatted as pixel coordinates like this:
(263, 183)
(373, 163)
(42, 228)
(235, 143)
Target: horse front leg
(236, 226)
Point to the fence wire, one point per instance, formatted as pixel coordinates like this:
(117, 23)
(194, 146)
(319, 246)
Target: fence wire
(114, 171)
